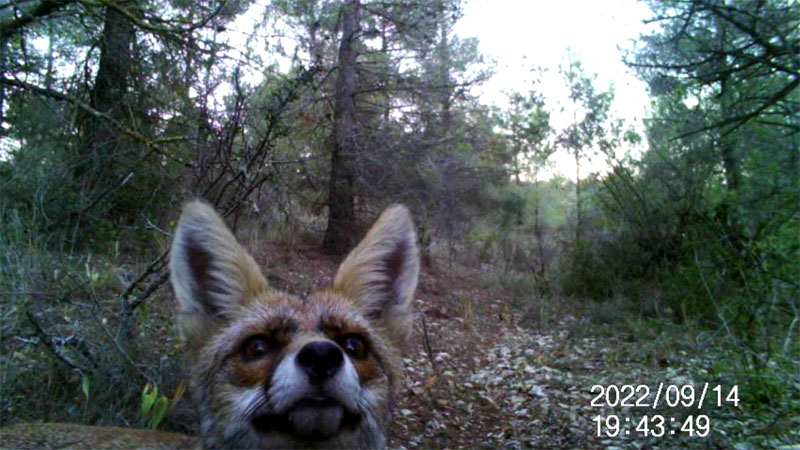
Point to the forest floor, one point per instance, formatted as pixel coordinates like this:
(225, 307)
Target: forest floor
(475, 378)
(491, 366)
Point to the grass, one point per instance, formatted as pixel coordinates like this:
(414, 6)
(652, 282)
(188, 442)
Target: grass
(67, 353)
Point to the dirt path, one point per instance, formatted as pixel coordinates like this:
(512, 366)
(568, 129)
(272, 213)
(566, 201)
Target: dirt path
(483, 381)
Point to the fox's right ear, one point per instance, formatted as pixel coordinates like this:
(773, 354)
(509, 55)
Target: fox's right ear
(211, 273)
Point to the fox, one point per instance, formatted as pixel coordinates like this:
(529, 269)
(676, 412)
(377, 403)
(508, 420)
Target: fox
(274, 370)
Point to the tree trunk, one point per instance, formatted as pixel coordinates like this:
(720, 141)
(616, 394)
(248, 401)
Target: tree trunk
(101, 139)
(340, 234)
(540, 271)
(579, 215)
(729, 209)
(445, 62)
(3, 58)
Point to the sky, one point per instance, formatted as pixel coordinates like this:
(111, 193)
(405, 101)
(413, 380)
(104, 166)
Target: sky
(521, 34)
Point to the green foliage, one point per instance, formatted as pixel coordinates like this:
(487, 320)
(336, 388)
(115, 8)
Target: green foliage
(71, 298)
(521, 287)
(518, 232)
(589, 277)
(85, 388)
(527, 123)
(154, 407)
(705, 223)
(591, 130)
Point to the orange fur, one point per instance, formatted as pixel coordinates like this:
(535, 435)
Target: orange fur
(225, 300)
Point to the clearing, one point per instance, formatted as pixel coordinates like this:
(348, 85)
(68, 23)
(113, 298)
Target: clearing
(476, 378)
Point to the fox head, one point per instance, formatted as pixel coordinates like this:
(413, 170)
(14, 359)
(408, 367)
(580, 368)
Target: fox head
(270, 370)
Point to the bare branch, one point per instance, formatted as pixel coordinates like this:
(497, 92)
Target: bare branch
(155, 266)
(149, 290)
(50, 345)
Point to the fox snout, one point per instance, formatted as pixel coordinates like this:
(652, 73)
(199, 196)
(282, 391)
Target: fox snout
(320, 360)
(315, 393)
(274, 371)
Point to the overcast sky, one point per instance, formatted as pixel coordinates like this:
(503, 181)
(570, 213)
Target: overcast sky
(520, 34)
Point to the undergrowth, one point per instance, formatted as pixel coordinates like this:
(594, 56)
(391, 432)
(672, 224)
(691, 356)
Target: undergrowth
(69, 353)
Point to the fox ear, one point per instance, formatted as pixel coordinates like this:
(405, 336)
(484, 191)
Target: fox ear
(211, 273)
(381, 273)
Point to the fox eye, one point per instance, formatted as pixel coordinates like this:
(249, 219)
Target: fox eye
(255, 348)
(355, 347)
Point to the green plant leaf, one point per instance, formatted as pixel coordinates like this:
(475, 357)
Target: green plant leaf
(159, 412)
(149, 395)
(85, 387)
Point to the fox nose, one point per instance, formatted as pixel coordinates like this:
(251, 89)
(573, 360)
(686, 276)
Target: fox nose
(320, 360)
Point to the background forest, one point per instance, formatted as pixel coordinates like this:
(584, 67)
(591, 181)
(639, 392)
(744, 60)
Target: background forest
(676, 243)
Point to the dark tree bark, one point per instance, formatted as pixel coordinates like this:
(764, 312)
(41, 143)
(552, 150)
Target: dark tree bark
(445, 62)
(578, 211)
(540, 271)
(3, 68)
(729, 209)
(101, 139)
(340, 234)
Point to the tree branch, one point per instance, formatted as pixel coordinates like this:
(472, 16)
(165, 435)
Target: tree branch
(150, 27)
(9, 27)
(47, 341)
(151, 144)
(742, 119)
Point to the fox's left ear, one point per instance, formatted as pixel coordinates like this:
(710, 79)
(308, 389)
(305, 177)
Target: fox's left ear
(381, 273)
